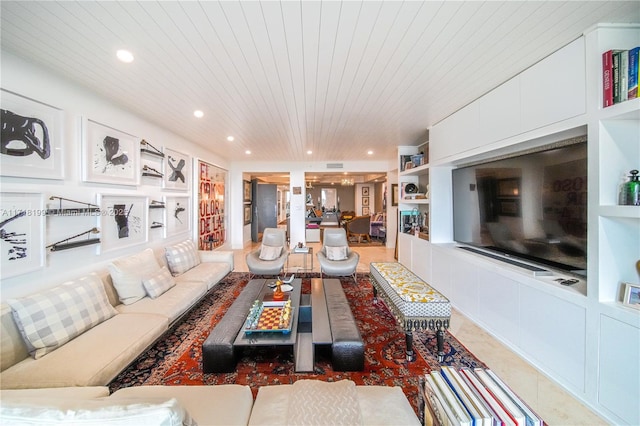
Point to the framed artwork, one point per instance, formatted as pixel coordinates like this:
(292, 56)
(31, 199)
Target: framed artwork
(365, 211)
(365, 191)
(109, 155)
(365, 201)
(247, 190)
(178, 211)
(631, 295)
(31, 138)
(176, 169)
(394, 194)
(247, 214)
(123, 221)
(22, 233)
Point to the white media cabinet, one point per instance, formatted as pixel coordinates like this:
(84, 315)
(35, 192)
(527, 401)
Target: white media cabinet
(581, 336)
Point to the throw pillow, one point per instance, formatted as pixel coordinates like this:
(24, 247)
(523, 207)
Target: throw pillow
(158, 283)
(51, 318)
(336, 253)
(270, 252)
(127, 274)
(53, 411)
(182, 257)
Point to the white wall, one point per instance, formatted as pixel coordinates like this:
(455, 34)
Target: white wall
(26, 79)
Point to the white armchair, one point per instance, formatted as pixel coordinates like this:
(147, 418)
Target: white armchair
(335, 257)
(269, 259)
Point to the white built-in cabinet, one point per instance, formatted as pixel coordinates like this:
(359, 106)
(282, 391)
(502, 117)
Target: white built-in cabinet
(582, 336)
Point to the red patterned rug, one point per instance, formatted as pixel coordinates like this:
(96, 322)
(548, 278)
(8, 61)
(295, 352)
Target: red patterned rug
(176, 358)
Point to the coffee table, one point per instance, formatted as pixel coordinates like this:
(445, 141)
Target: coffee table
(270, 338)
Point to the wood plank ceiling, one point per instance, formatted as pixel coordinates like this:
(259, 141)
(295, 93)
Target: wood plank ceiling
(336, 78)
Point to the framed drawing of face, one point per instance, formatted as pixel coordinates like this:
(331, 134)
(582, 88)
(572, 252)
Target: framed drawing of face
(31, 138)
(110, 155)
(176, 170)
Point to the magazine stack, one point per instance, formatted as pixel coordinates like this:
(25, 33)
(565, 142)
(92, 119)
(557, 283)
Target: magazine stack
(473, 397)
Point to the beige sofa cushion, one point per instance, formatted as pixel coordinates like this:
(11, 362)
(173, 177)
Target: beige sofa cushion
(128, 272)
(91, 359)
(171, 304)
(208, 274)
(78, 392)
(336, 403)
(51, 318)
(98, 412)
(207, 405)
(379, 405)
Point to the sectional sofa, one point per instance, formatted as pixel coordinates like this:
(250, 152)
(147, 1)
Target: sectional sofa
(86, 331)
(61, 346)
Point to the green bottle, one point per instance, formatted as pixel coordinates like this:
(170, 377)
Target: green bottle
(631, 190)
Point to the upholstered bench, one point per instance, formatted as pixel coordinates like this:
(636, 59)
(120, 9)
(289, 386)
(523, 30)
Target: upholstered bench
(413, 302)
(347, 349)
(218, 354)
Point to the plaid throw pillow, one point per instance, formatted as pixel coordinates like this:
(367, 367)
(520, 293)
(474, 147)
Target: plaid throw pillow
(49, 319)
(182, 257)
(336, 253)
(270, 252)
(158, 283)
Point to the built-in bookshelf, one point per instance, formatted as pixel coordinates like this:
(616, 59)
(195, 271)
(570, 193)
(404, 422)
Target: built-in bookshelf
(619, 75)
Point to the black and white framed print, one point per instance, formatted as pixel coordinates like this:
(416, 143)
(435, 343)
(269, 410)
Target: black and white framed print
(22, 233)
(31, 138)
(176, 170)
(178, 211)
(110, 155)
(123, 221)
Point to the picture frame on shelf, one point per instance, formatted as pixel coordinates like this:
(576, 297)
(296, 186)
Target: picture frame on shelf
(176, 170)
(365, 191)
(247, 214)
(32, 132)
(394, 194)
(631, 296)
(246, 185)
(22, 245)
(109, 155)
(123, 221)
(178, 215)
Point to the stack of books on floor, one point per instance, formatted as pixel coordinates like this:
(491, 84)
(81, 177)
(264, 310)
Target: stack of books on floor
(473, 397)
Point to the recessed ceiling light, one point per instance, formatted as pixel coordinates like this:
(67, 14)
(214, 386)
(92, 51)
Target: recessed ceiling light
(247, 152)
(370, 152)
(230, 138)
(125, 56)
(309, 152)
(198, 113)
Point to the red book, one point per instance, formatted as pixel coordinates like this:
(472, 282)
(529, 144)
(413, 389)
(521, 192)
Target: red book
(607, 78)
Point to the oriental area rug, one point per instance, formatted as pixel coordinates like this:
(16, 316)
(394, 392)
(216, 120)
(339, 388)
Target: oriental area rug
(176, 358)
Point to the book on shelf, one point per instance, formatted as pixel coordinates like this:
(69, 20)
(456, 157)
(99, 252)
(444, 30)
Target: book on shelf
(619, 76)
(502, 416)
(607, 78)
(632, 92)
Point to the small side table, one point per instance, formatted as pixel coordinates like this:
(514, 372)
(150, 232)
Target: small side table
(306, 253)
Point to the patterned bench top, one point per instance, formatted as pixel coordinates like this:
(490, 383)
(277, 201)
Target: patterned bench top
(410, 297)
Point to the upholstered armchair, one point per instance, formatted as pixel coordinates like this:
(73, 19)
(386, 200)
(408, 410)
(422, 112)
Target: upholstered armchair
(359, 227)
(335, 257)
(269, 259)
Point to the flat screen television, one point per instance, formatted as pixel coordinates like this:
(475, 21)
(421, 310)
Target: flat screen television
(531, 206)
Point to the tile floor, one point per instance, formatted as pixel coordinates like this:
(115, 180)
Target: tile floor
(549, 400)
